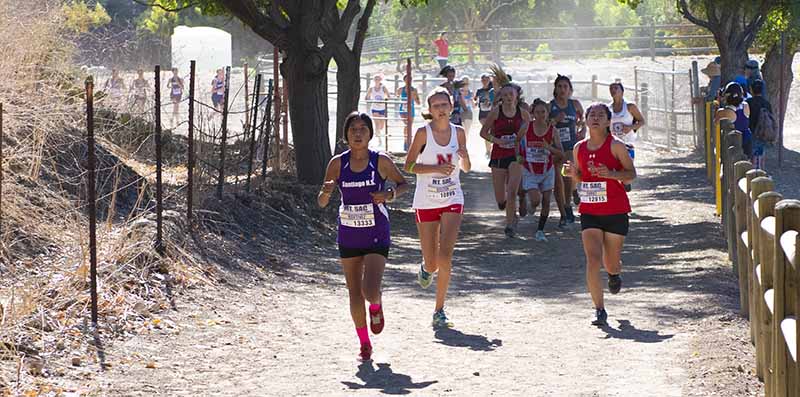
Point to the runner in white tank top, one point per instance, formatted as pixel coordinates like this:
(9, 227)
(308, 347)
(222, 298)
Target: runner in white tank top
(438, 190)
(435, 155)
(625, 122)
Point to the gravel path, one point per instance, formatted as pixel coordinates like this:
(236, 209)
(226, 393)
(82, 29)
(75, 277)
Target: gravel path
(520, 307)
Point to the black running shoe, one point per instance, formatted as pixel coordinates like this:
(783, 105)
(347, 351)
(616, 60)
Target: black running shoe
(614, 283)
(509, 232)
(570, 215)
(600, 318)
(562, 222)
(523, 206)
(501, 206)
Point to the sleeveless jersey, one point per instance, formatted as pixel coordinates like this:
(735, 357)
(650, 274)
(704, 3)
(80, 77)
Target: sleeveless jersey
(377, 95)
(437, 190)
(506, 129)
(618, 120)
(362, 223)
(742, 123)
(175, 86)
(140, 87)
(535, 157)
(404, 98)
(567, 130)
(600, 196)
(219, 86)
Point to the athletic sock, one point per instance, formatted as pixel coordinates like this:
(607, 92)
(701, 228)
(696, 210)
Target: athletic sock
(542, 222)
(374, 307)
(363, 336)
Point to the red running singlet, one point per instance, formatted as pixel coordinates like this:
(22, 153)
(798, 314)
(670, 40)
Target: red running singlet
(535, 157)
(600, 196)
(505, 128)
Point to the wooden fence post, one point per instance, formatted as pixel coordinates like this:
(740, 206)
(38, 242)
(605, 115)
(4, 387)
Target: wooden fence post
(594, 88)
(764, 271)
(740, 210)
(759, 186)
(753, 190)
(785, 277)
(652, 41)
(496, 45)
(224, 137)
(733, 154)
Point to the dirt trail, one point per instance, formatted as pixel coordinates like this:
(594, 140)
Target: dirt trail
(520, 308)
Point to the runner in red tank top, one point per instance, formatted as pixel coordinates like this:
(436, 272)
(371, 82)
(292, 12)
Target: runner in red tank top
(602, 167)
(504, 127)
(537, 153)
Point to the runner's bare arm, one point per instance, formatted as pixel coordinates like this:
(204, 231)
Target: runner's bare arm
(466, 164)
(488, 124)
(573, 168)
(638, 118)
(329, 182)
(388, 169)
(628, 173)
(523, 127)
(580, 121)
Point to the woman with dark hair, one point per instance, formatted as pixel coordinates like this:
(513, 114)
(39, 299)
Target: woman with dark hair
(504, 127)
(626, 119)
(361, 176)
(437, 151)
(567, 116)
(602, 165)
(736, 109)
(537, 151)
(454, 88)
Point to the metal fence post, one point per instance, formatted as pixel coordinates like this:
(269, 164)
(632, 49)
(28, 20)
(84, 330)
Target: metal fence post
(268, 121)
(256, 93)
(636, 84)
(666, 109)
(92, 197)
(496, 44)
(645, 107)
(652, 41)
(1, 171)
(693, 78)
(224, 138)
(190, 159)
(159, 187)
(594, 88)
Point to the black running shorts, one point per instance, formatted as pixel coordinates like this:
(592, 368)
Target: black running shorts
(616, 224)
(503, 163)
(345, 252)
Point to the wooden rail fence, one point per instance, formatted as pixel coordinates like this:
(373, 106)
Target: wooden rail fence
(761, 227)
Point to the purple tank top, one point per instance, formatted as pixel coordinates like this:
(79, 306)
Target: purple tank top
(742, 123)
(362, 224)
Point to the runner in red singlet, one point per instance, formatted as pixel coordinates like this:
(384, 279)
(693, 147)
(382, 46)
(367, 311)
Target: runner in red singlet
(602, 166)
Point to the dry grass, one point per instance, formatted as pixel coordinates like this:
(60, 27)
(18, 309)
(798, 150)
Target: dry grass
(44, 299)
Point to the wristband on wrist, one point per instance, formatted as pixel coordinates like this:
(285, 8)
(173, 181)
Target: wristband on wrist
(411, 167)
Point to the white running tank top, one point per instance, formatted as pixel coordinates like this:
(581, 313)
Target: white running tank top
(437, 190)
(618, 120)
(377, 95)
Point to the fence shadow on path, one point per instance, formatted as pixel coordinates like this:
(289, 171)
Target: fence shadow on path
(627, 331)
(385, 380)
(455, 338)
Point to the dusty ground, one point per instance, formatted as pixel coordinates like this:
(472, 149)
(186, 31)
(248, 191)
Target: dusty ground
(520, 308)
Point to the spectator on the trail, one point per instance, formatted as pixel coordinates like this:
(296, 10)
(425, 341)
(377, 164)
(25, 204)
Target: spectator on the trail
(715, 79)
(752, 73)
(442, 49)
(735, 109)
(376, 95)
(742, 81)
(758, 103)
(454, 87)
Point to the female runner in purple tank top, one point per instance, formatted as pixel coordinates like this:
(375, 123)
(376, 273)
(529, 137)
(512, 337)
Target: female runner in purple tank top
(363, 238)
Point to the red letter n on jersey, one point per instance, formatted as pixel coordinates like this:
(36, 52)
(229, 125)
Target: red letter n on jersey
(440, 159)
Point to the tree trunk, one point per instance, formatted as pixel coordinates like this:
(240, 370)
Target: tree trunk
(305, 71)
(348, 89)
(771, 70)
(732, 56)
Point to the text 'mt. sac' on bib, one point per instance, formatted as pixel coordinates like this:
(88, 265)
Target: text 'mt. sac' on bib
(593, 192)
(361, 215)
(442, 188)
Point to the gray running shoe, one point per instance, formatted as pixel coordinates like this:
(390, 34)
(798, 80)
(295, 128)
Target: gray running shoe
(424, 278)
(440, 320)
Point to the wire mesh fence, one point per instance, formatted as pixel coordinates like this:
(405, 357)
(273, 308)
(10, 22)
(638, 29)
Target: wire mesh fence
(665, 98)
